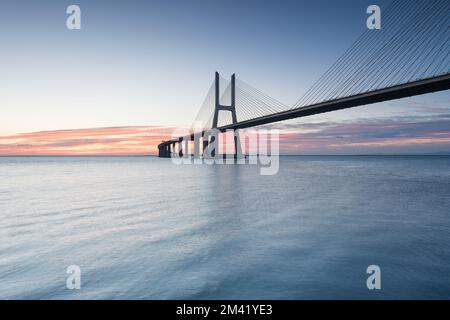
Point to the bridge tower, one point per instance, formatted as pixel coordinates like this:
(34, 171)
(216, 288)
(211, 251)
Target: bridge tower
(231, 108)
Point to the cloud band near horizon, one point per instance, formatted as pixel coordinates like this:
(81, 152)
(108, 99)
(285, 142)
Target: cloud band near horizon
(408, 135)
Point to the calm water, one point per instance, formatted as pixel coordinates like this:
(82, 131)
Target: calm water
(141, 227)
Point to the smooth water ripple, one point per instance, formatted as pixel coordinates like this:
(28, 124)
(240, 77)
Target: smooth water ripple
(143, 228)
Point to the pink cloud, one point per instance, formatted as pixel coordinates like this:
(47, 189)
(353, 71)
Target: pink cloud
(96, 141)
(359, 136)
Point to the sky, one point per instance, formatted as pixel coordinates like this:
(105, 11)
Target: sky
(138, 69)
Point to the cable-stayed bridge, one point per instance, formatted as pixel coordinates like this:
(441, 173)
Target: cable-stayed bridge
(408, 56)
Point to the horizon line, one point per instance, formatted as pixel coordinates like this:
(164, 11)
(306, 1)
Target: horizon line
(281, 155)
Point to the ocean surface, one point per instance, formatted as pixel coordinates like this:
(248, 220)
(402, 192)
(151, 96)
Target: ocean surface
(144, 228)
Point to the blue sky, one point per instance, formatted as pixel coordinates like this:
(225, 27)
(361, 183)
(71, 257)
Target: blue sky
(137, 63)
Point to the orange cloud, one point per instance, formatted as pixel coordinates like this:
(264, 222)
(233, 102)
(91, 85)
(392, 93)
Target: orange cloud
(314, 138)
(140, 140)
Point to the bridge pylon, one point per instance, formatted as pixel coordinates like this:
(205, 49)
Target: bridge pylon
(231, 108)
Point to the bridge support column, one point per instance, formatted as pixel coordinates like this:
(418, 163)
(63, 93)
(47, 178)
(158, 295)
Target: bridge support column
(187, 147)
(213, 152)
(180, 148)
(205, 144)
(232, 109)
(237, 141)
(196, 146)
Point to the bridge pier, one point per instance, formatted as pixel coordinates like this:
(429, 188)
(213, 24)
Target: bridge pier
(180, 148)
(231, 108)
(196, 146)
(205, 145)
(164, 151)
